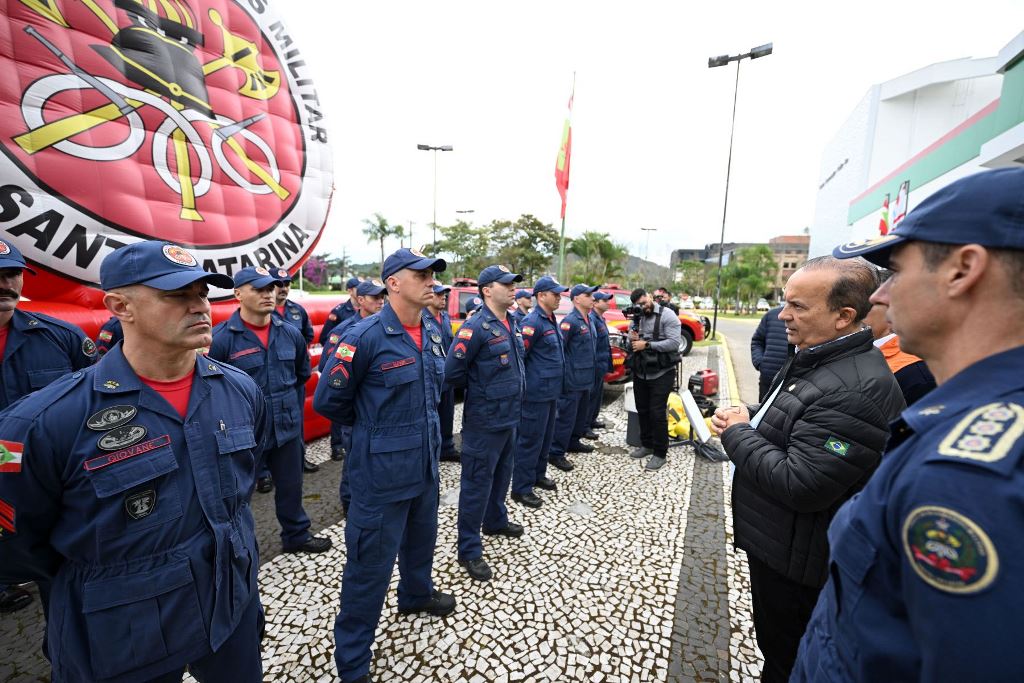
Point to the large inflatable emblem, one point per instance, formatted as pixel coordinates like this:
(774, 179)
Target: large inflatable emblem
(186, 120)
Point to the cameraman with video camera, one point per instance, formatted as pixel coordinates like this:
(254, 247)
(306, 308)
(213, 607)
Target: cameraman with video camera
(654, 341)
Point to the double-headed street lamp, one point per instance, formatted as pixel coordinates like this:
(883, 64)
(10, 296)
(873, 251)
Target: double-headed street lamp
(435, 150)
(722, 60)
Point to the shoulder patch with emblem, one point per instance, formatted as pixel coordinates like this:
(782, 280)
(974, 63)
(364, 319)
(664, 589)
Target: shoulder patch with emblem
(948, 551)
(88, 347)
(465, 333)
(566, 326)
(105, 335)
(986, 434)
(333, 339)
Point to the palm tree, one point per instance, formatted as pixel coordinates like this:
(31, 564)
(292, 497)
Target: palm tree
(601, 259)
(378, 229)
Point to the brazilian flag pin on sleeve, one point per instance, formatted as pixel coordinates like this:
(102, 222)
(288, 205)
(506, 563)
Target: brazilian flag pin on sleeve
(836, 446)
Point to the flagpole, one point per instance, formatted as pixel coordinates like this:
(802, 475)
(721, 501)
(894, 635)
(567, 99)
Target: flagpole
(561, 253)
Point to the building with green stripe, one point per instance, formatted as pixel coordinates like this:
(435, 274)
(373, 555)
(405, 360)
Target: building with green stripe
(929, 128)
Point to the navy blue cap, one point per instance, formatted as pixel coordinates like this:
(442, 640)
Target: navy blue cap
(282, 275)
(352, 282)
(602, 296)
(441, 289)
(548, 284)
(582, 289)
(10, 257)
(523, 294)
(497, 274)
(412, 259)
(156, 264)
(370, 288)
(985, 208)
(257, 276)
(474, 304)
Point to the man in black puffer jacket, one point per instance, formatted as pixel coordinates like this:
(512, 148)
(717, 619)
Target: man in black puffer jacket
(809, 447)
(769, 349)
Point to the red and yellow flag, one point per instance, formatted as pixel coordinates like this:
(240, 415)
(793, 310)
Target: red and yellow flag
(564, 154)
(883, 221)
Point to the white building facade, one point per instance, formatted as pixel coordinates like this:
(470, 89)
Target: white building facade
(929, 128)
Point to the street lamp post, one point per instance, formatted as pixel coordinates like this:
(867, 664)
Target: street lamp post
(647, 249)
(723, 60)
(435, 150)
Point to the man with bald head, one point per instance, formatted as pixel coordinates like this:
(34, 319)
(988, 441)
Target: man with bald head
(807, 448)
(130, 496)
(926, 561)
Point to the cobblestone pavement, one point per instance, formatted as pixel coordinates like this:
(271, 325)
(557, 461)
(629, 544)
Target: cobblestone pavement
(623, 575)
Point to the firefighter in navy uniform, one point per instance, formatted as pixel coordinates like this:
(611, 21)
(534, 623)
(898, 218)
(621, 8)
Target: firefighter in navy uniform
(35, 350)
(603, 360)
(274, 354)
(289, 311)
(578, 340)
(384, 379)
(131, 491)
(544, 362)
(438, 311)
(341, 312)
(524, 302)
(486, 359)
(108, 336)
(296, 316)
(925, 562)
(370, 297)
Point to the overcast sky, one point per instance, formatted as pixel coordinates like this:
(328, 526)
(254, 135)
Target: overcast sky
(650, 122)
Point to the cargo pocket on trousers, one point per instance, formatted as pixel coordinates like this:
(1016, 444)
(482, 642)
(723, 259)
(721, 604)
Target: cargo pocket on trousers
(136, 620)
(363, 538)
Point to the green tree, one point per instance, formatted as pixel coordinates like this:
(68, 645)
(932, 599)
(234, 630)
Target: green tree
(526, 246)
(467, 245)
(599, 259)
(749, 275)
(692, 277)
(379, 229)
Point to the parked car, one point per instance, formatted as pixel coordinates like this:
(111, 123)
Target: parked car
(762, 305)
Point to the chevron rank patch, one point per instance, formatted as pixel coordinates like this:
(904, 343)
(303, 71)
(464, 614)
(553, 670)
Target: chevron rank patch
(7, 514)
(986, 434)
(836, 446)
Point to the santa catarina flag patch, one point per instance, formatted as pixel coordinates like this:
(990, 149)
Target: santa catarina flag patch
(345, 352)
(10, 456)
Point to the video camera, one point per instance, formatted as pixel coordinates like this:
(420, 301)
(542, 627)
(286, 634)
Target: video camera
(635, 313)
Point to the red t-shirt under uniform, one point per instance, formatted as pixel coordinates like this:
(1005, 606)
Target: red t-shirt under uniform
(176, 392)
(261, 332)
(416, 332)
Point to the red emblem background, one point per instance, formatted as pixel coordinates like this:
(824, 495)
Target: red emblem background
(128, 195)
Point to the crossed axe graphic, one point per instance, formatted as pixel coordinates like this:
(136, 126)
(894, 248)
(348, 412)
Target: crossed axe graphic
(237, 53)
